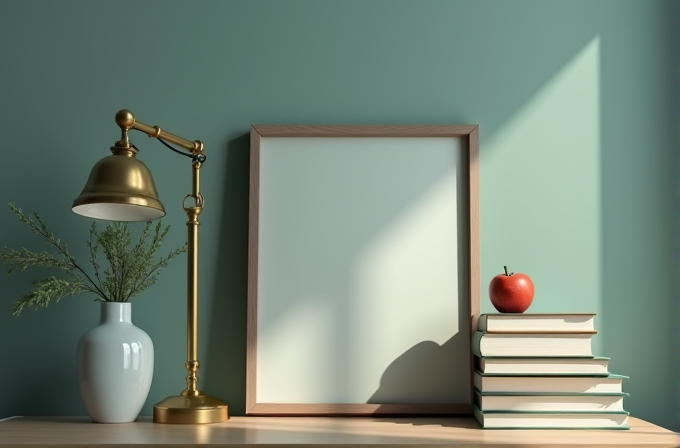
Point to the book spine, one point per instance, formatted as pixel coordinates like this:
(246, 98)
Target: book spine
(482, 322)
(476, 340)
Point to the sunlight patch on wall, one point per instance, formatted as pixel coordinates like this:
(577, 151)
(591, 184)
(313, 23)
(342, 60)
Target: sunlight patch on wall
(547, 156)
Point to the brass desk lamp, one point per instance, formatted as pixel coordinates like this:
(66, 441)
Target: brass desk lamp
(120, 188)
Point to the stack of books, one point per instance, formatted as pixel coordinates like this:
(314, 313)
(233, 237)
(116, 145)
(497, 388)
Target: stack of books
(538, 371)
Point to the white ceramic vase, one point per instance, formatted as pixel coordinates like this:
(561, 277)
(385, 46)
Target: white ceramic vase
(115, 366)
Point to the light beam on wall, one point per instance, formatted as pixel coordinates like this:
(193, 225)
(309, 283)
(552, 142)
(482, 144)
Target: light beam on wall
(548, 156)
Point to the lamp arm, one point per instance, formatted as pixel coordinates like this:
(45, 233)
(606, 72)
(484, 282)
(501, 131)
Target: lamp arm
(126, 121)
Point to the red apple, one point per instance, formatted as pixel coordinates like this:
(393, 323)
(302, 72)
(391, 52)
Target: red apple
(511, 293)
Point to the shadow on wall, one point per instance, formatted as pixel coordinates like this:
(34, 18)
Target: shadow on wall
(226, 339)
(427, 373)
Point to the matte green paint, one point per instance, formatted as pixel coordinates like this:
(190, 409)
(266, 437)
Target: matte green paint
(593, 224)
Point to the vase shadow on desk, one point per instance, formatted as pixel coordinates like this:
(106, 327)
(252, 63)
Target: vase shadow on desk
(427, 376)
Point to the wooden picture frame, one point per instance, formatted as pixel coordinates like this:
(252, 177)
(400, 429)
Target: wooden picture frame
(364, 269)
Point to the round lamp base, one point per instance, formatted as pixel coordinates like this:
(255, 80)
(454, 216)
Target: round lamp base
(190, 410)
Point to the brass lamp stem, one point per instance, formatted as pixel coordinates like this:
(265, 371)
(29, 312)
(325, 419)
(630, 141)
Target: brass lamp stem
(192, 283)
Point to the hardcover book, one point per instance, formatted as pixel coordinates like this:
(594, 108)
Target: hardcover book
(532, 344)
(555, 384)
(551, 420)
(549, 401)
(524, 322)
(543, 366)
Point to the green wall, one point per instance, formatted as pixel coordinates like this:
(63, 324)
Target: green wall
(575, 102)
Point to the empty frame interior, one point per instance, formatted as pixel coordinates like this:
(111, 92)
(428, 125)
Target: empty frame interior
(363, 269)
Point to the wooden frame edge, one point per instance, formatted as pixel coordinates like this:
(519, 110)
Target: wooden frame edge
(358, 410)
(253, 232)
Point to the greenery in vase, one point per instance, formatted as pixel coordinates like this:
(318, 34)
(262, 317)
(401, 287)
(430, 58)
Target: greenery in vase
(132, 265)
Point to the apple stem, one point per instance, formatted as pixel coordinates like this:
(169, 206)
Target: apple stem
(506, 271)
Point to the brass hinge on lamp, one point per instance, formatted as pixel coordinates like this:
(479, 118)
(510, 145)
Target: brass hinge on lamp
(120, 188)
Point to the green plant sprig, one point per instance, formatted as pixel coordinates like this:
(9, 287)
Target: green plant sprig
(132, 268)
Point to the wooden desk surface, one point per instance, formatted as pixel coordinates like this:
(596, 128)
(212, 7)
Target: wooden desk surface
(293, 432)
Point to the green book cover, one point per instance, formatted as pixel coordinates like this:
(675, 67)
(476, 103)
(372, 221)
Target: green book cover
(546, 357)
(621, 416)
(556, 412)
(609, 375)
(550, 394)
(558, 374)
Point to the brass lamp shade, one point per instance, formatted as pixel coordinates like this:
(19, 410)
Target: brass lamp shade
(120, 188)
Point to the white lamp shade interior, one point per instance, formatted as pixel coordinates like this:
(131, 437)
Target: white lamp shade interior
(118, 212)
